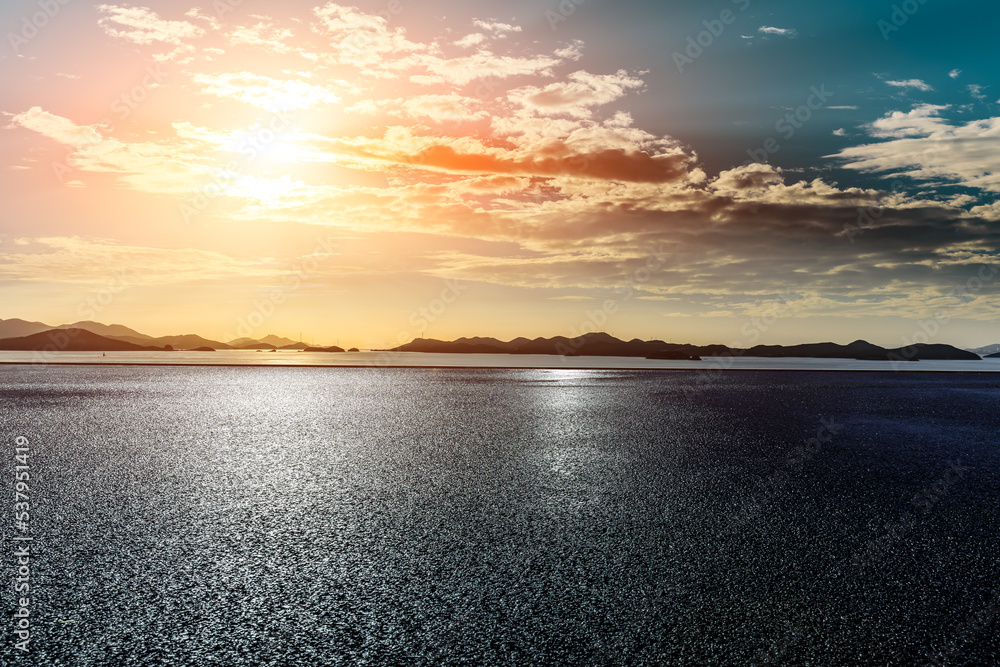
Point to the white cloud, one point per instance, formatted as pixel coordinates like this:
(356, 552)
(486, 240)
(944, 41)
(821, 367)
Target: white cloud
(954, 73)
(364, 40)
(264, 92)
(496, 27)
(264, 36)
(576, 96)
(143, 26)
(436, 108)
(474, 39)
(781, 32)
(73, 259)
(923, 145)
(911, 83)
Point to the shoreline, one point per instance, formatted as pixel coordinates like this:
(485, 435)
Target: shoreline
(511, 368)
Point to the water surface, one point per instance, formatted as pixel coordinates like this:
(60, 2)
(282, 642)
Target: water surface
(245, 515)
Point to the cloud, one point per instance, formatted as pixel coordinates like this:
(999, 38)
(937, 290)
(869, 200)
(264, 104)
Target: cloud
(482, 65)
(911, 83)
(576, 96)
(269, 94)
(55, 127)
(781, 32)
(141, 25)
(438, 108)
(583, 154)
(923, 145)
(263, 35)
(184, 164)
(841, 132)
(369, 43)
(72, 259)
(528, 151)
(496, 27)
(954, 73)
(364, 40)
(473, 39)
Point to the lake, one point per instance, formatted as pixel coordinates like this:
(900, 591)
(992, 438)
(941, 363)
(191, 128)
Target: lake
(444, 360)
(244, 515)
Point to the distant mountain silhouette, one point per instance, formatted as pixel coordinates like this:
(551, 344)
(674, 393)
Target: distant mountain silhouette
(993, 356)
(16, 327)
(855, 350)
(266, 343)
(107, 330)
(605, 345)
(987, 350)
(72, 340)
(332, 348)
(925, 352)
(278, 341)
(182, 342)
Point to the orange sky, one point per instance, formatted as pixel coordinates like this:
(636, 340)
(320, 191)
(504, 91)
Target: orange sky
(367, 176)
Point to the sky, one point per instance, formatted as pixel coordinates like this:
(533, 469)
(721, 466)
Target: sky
(729, 171)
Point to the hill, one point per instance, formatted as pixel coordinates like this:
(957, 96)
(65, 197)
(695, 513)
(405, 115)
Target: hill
(72, 340)
(278, 341)
(16, 327)
(106, 330)
(605, 345)
(267, 342)
(182, 342)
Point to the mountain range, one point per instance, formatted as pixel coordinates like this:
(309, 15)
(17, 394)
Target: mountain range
(605, 345)
(18, 334)
(18, 328)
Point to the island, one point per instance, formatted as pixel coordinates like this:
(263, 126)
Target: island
(604, 345)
